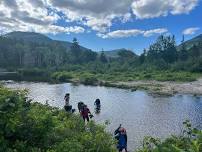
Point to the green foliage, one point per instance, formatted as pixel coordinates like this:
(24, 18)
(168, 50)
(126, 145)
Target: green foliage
(88, 79)
(103, 58)
(164, 48)
(62, 76)
(163, 61)
(190, 141)
(26, 126)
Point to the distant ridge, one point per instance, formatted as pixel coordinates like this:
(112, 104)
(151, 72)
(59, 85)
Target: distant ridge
(38, 38)
(115, 53)
(29, 36)
(190, 43)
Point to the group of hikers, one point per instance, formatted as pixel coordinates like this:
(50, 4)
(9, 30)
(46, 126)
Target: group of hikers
(119, 133)
(82, 108)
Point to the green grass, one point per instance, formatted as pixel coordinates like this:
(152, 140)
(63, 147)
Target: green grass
(94, 78)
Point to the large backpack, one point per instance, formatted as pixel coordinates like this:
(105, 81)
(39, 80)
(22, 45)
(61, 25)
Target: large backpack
(80, 106)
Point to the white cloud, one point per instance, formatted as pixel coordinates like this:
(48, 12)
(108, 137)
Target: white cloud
(100, 14)
(28, 15)
(191, 30)
(132, 32)
(97, 14)
(155, 8)
(42, 15)
(149, 33)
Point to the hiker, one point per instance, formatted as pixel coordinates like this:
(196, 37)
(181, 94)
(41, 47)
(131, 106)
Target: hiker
(85, 113)
(80, 106)
(67, 106)
(97, 102)
(97, 106)
(121, 136)
(66, 98)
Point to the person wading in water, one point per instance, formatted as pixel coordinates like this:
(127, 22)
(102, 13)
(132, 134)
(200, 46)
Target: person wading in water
(97, 106)
(85, 113)
(80, 106)
(66, 98)
(67, 106)
(121, 136)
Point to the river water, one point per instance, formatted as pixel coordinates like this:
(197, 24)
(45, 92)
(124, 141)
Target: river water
(139, 112)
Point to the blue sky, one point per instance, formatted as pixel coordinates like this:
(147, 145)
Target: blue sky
(104, 24)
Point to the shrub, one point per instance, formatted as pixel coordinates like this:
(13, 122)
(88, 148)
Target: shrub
(26, 126)
(62, 76)
(88, 79)
(190, 141)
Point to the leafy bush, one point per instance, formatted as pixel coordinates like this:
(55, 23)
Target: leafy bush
(190, 141)
(88, 79)
(62, 76)
(26, 126)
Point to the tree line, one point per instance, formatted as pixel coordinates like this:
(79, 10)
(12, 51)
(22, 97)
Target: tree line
(164, 54)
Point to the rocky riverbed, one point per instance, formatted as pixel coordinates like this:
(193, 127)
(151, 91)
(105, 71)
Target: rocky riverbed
(164, 88)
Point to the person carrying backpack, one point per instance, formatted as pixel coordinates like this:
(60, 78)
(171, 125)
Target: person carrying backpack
(85, 113)
(97, 102)
(67, 106)
(121, 136)
(97, 106)
(66, 98)
(80, 106)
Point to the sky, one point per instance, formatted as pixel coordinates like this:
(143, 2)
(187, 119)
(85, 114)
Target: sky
(104, 24)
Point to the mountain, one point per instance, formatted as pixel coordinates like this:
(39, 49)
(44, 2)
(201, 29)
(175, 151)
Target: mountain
(38, 38)
(29, 37)
(20, 49)
(29, 49)
(116, 53)
(190, 43)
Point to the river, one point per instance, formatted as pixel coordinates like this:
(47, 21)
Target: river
(139, 112)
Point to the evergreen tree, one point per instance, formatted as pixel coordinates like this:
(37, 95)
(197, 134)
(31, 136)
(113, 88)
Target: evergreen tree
(75, 52)
(183, 53)
(103, 58)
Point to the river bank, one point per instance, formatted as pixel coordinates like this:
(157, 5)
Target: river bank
(163, 88)
(167, 84)
(158, 88)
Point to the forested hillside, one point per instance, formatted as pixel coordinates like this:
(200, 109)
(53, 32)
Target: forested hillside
(24, 50)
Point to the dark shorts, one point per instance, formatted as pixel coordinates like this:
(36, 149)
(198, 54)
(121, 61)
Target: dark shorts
(86, 118)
